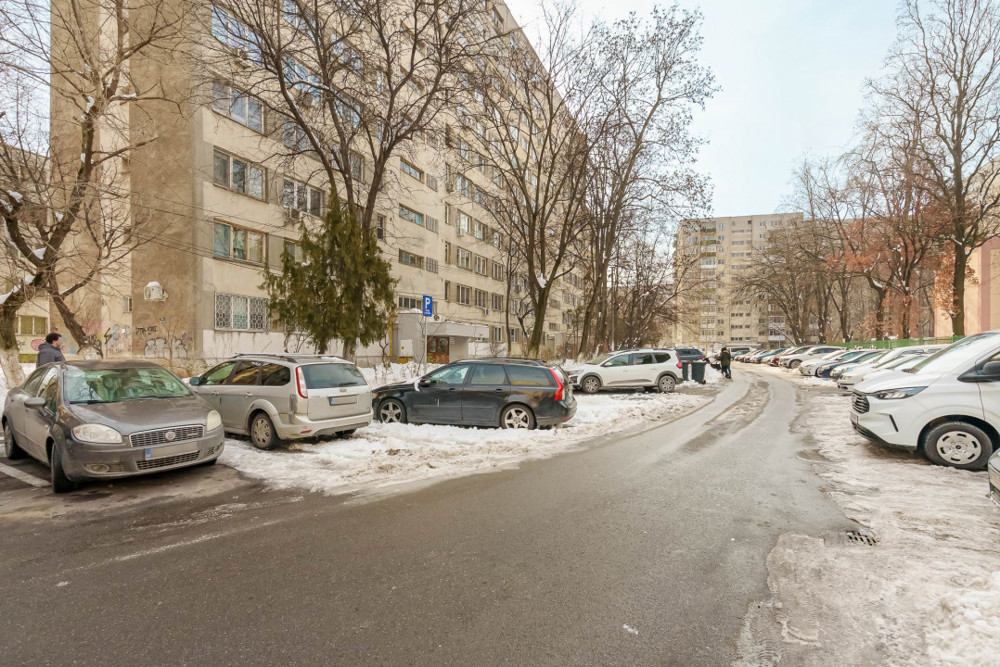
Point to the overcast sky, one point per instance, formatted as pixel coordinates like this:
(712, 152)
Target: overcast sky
(792, 75)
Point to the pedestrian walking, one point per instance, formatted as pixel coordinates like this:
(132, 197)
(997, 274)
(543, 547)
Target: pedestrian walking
(725, 359)
(51, 350)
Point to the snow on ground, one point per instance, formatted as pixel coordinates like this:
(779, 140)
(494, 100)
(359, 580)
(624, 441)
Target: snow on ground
(929, 592)
(382, 455)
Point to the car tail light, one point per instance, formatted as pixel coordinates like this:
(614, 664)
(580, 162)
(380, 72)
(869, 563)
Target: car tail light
(680, 365)
(300, 380)
(559, 384)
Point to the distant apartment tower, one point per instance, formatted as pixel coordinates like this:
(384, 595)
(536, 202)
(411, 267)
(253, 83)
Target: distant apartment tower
(710, 254)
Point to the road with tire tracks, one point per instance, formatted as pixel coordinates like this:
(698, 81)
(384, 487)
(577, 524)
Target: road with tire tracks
(640, 550)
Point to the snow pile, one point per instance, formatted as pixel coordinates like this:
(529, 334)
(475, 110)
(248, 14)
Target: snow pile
(930, 584)
(389, 454)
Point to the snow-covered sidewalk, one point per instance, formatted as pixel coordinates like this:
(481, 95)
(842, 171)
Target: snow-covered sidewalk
(929, 592)
(382, 455)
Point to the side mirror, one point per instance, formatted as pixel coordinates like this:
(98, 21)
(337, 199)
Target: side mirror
(424, 382)
(991, 369)
(195, 381)
(35, 402)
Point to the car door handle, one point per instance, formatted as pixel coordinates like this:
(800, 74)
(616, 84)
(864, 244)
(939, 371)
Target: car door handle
(498, 389)
(451, 388)
(248, 394)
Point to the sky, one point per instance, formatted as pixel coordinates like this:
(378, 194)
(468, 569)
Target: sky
(792, 75)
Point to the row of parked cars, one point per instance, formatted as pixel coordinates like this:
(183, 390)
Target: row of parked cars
(941, 400)
(109, 419)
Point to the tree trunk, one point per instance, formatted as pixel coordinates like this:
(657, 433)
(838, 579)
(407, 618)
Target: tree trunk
(8, 347)
(958, 292)
(75, 329)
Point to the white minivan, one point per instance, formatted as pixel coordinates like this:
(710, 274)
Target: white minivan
(947, 406)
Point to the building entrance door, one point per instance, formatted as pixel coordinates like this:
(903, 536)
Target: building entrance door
(438, 350)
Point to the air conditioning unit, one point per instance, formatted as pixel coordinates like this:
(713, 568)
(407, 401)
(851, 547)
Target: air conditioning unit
(242, 59)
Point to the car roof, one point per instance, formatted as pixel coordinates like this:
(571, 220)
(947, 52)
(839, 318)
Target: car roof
(111, 364)
(292, 358)
(502, 360)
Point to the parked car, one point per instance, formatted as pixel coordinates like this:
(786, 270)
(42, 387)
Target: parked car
(809, 367)
(795, 360)
(276, 397)
(825, 370)
(775, 360)
(475, 392)
(765, 356)
(108, 419)
(947, 406)
(689, 354)
(875, 358)
(994, 470)
(647, 368)
(897, 357)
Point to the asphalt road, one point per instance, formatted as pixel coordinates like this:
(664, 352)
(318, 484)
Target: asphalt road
(647, 550)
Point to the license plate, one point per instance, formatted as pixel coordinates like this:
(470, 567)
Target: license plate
(343, 400)
(148, 454)
(854, 418)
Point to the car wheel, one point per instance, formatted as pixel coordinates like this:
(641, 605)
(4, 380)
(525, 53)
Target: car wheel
(666, 384)
(590, 385)
(959, 445)
(10, 447)
(517, 416)
(794, 364)
(392, 412)
(262, 433)
(60, 482)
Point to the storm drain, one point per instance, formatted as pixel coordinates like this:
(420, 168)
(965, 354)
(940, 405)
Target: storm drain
(859, 537)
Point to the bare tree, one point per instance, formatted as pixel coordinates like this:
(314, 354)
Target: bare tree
(945, 71)
(68, 214)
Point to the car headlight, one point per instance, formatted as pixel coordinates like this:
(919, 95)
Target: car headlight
(892, 394)
(97, 433)
(213, 421)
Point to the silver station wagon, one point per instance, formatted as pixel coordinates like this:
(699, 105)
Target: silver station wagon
(108, 419)
(275, 397)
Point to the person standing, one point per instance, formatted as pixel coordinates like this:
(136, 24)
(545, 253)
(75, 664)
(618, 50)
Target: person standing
(725, 359)
(51, 350)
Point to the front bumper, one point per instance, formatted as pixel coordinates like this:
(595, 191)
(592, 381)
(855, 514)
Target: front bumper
(83, 461)
(994, 470)
(301, 427)
(885, 427)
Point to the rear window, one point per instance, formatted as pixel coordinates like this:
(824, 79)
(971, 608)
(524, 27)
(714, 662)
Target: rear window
(662, 357)
(274, 375)
(329, 376)
(529, 376)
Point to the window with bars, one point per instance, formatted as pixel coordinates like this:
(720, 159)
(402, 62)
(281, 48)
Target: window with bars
(241, 244)
(241, 313)
(431, 265)
(238, 175)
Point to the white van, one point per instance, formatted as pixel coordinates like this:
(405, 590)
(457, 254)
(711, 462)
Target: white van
(948, 405)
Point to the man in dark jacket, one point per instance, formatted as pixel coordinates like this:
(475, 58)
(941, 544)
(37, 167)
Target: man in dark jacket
(51, 350)
(725, 359)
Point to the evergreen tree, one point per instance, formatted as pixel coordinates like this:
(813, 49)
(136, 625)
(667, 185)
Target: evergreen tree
(340, 287)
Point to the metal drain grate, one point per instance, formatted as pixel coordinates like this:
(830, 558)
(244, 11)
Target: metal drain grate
(858, 537)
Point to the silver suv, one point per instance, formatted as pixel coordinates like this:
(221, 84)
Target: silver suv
(649, 368)
(275, 397)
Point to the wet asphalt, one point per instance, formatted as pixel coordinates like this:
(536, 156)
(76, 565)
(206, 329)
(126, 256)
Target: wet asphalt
(641, 550)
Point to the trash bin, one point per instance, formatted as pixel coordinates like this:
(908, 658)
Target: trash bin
(698, 371)
(685, 371)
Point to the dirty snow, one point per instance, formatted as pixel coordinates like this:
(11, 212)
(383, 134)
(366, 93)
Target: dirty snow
(928, 593)
(383, 455)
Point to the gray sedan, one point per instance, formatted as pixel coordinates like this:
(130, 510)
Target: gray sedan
(108, 419)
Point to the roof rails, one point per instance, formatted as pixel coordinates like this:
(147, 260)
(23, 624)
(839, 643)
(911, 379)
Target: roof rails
(289, 356)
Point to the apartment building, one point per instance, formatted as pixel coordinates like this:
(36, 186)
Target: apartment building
(225, 208)
(710, 254)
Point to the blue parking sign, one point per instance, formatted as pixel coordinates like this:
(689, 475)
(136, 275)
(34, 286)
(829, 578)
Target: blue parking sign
(428, 306)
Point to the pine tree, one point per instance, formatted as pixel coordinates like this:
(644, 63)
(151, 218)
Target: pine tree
(339, 287)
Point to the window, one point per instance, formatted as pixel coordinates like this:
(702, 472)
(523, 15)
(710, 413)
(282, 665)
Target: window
(449, 375)
(297, 76)
(238, 175)
(293, 250)
(235, 35)
(233, 311)
(411, 215)
(464, 259)
(497, 302)
(356, 163)
(497, 240)
(497, 271)
(275, 375)
(488, 374)
(300, 197)
(464, 225)
(410, 259)
(463, 295)
(642, 359)
(515, 334)
(481, 264)
(242, 108)
(497, 334)
(411, 170)
(431, 265)
(529, 376)
(294, 138)
(447, 252)
(431, 224)
(380, 227)
(479, 231)
(447, 290)
(245, 373)
(482, 299)
(236, 243)
(28, 325)
(410, 303)
(620, 360)
(126, 304)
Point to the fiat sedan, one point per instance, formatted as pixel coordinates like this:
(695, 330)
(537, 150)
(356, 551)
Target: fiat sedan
(108, 419)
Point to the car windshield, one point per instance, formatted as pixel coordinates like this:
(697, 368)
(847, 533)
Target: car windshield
(905, 361)
(964, 351)
(111, 385)
(600, 359)
(329, 376)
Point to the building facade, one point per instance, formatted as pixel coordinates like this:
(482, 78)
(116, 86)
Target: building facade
(710, 254)
(224, 209)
